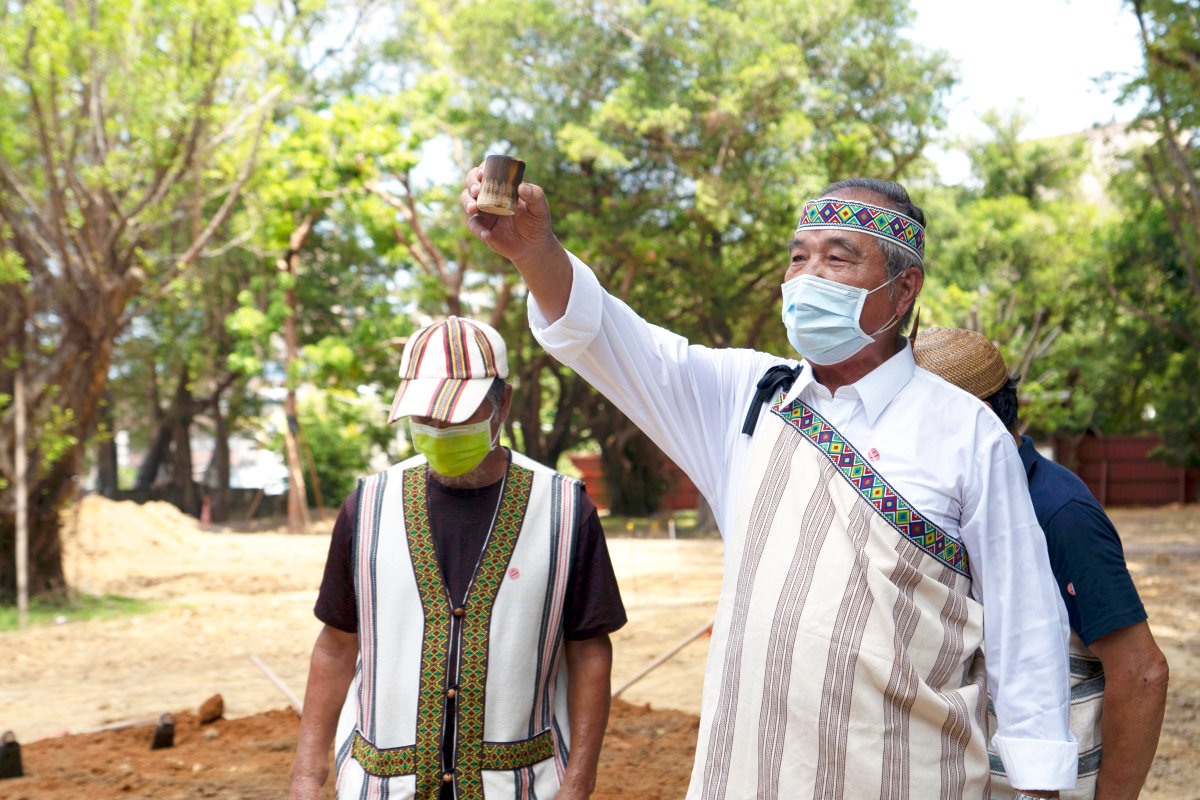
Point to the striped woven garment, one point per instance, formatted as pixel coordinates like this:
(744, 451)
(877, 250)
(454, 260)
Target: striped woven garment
(846, 658)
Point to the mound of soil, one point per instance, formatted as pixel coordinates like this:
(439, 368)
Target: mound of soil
(647, 755)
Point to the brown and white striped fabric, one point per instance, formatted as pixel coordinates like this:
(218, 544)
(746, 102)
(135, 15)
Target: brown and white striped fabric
(1087, 700)
(846, 659)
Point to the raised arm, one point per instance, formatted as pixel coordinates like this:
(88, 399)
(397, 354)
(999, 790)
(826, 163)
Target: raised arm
(690, 400)
(527, 240)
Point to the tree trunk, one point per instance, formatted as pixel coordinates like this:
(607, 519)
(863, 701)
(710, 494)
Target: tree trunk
(46, 497)
(148, 471)
(706, 521)
(297, 503)
(86, 354)
(633, 465)
(181, 463)
(221, 463)
(21, 485)
(106, 453)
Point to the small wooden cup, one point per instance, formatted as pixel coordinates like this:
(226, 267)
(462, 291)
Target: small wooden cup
(498, 189)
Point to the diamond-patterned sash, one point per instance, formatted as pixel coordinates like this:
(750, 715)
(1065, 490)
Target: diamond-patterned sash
(873, 488)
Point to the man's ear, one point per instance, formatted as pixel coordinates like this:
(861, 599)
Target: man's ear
(909, 287)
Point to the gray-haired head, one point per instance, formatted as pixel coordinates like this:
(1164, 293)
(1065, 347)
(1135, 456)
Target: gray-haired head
(888, 194)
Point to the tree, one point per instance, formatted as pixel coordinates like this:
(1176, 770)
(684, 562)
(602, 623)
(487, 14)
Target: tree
(1154, 277)
(1015, 256)
(111, 116)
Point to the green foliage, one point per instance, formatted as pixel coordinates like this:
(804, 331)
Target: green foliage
(678, 138)
(1156, 307)
(75, 608)
(1153, 274)
(1027, 169)
(1016, 258)
(54, 437)
(341, 444)
(12, 269)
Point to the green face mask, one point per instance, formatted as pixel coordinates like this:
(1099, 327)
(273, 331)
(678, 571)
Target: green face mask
(455, 450)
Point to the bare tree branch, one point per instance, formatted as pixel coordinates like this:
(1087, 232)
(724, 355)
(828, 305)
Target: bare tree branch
(1155, 319)
(452, 280)
(1185, 246)
(217, 220)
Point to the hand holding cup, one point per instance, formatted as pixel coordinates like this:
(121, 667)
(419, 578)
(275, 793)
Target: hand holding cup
(498, 188)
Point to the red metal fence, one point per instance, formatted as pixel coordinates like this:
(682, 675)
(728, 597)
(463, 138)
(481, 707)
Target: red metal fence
(1119, 471)
(681, 493)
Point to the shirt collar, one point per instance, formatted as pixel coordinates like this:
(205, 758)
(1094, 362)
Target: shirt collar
(802, 382)
(875, 390)
(879, 386)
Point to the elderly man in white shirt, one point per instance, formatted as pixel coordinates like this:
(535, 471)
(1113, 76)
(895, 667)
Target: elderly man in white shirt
(878, 534)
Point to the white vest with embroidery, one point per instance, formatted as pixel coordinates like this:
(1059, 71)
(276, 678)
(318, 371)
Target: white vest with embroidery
(509, 727)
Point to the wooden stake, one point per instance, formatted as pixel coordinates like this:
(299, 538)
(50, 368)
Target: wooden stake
(498, 189)
(665, 657)
(140, 722)
(22, 490)
(312, 472)
(271, 676)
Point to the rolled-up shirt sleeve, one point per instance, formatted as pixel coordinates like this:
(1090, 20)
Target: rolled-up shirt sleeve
(1025, 622)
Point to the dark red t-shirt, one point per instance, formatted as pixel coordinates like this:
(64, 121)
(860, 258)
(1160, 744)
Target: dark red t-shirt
(460, 520)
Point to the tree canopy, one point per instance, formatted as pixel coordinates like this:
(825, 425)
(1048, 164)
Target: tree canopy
(225, 218)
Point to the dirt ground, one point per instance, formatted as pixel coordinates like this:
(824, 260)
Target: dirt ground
(231, 594)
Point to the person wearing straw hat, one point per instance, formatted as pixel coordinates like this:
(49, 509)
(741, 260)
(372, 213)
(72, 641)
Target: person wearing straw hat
(468, 599)
(1118, 673)
(875, 531)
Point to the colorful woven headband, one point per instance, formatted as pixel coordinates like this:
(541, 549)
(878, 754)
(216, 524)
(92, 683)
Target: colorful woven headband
(830, 212)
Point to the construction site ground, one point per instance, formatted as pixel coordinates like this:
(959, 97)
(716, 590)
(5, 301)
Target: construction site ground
(231, 596)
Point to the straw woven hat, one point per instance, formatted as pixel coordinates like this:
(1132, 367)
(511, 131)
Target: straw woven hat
(965, 358)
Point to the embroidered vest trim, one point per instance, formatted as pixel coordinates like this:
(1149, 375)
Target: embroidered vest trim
(878, 492)
(495, 755)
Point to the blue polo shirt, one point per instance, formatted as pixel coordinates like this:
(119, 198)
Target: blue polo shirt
(1085, 550)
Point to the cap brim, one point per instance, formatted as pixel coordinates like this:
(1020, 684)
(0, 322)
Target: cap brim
(450, 400)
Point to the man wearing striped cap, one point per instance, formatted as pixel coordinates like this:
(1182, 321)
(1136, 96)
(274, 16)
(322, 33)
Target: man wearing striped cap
(876, 529)
(1118, 673)
(467, 600)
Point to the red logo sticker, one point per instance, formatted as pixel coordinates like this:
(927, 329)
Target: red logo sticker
(1071, 589)
(873, 454)
(514, 573)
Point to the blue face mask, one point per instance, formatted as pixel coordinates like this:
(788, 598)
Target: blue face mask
(821, 318)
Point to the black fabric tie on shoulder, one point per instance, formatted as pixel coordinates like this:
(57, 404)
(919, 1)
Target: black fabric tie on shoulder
(778, 378)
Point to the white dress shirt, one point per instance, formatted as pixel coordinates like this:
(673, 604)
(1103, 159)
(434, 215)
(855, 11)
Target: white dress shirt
(942, 449)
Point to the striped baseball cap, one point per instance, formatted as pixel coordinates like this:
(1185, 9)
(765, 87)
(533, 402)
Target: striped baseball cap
(447, 369)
